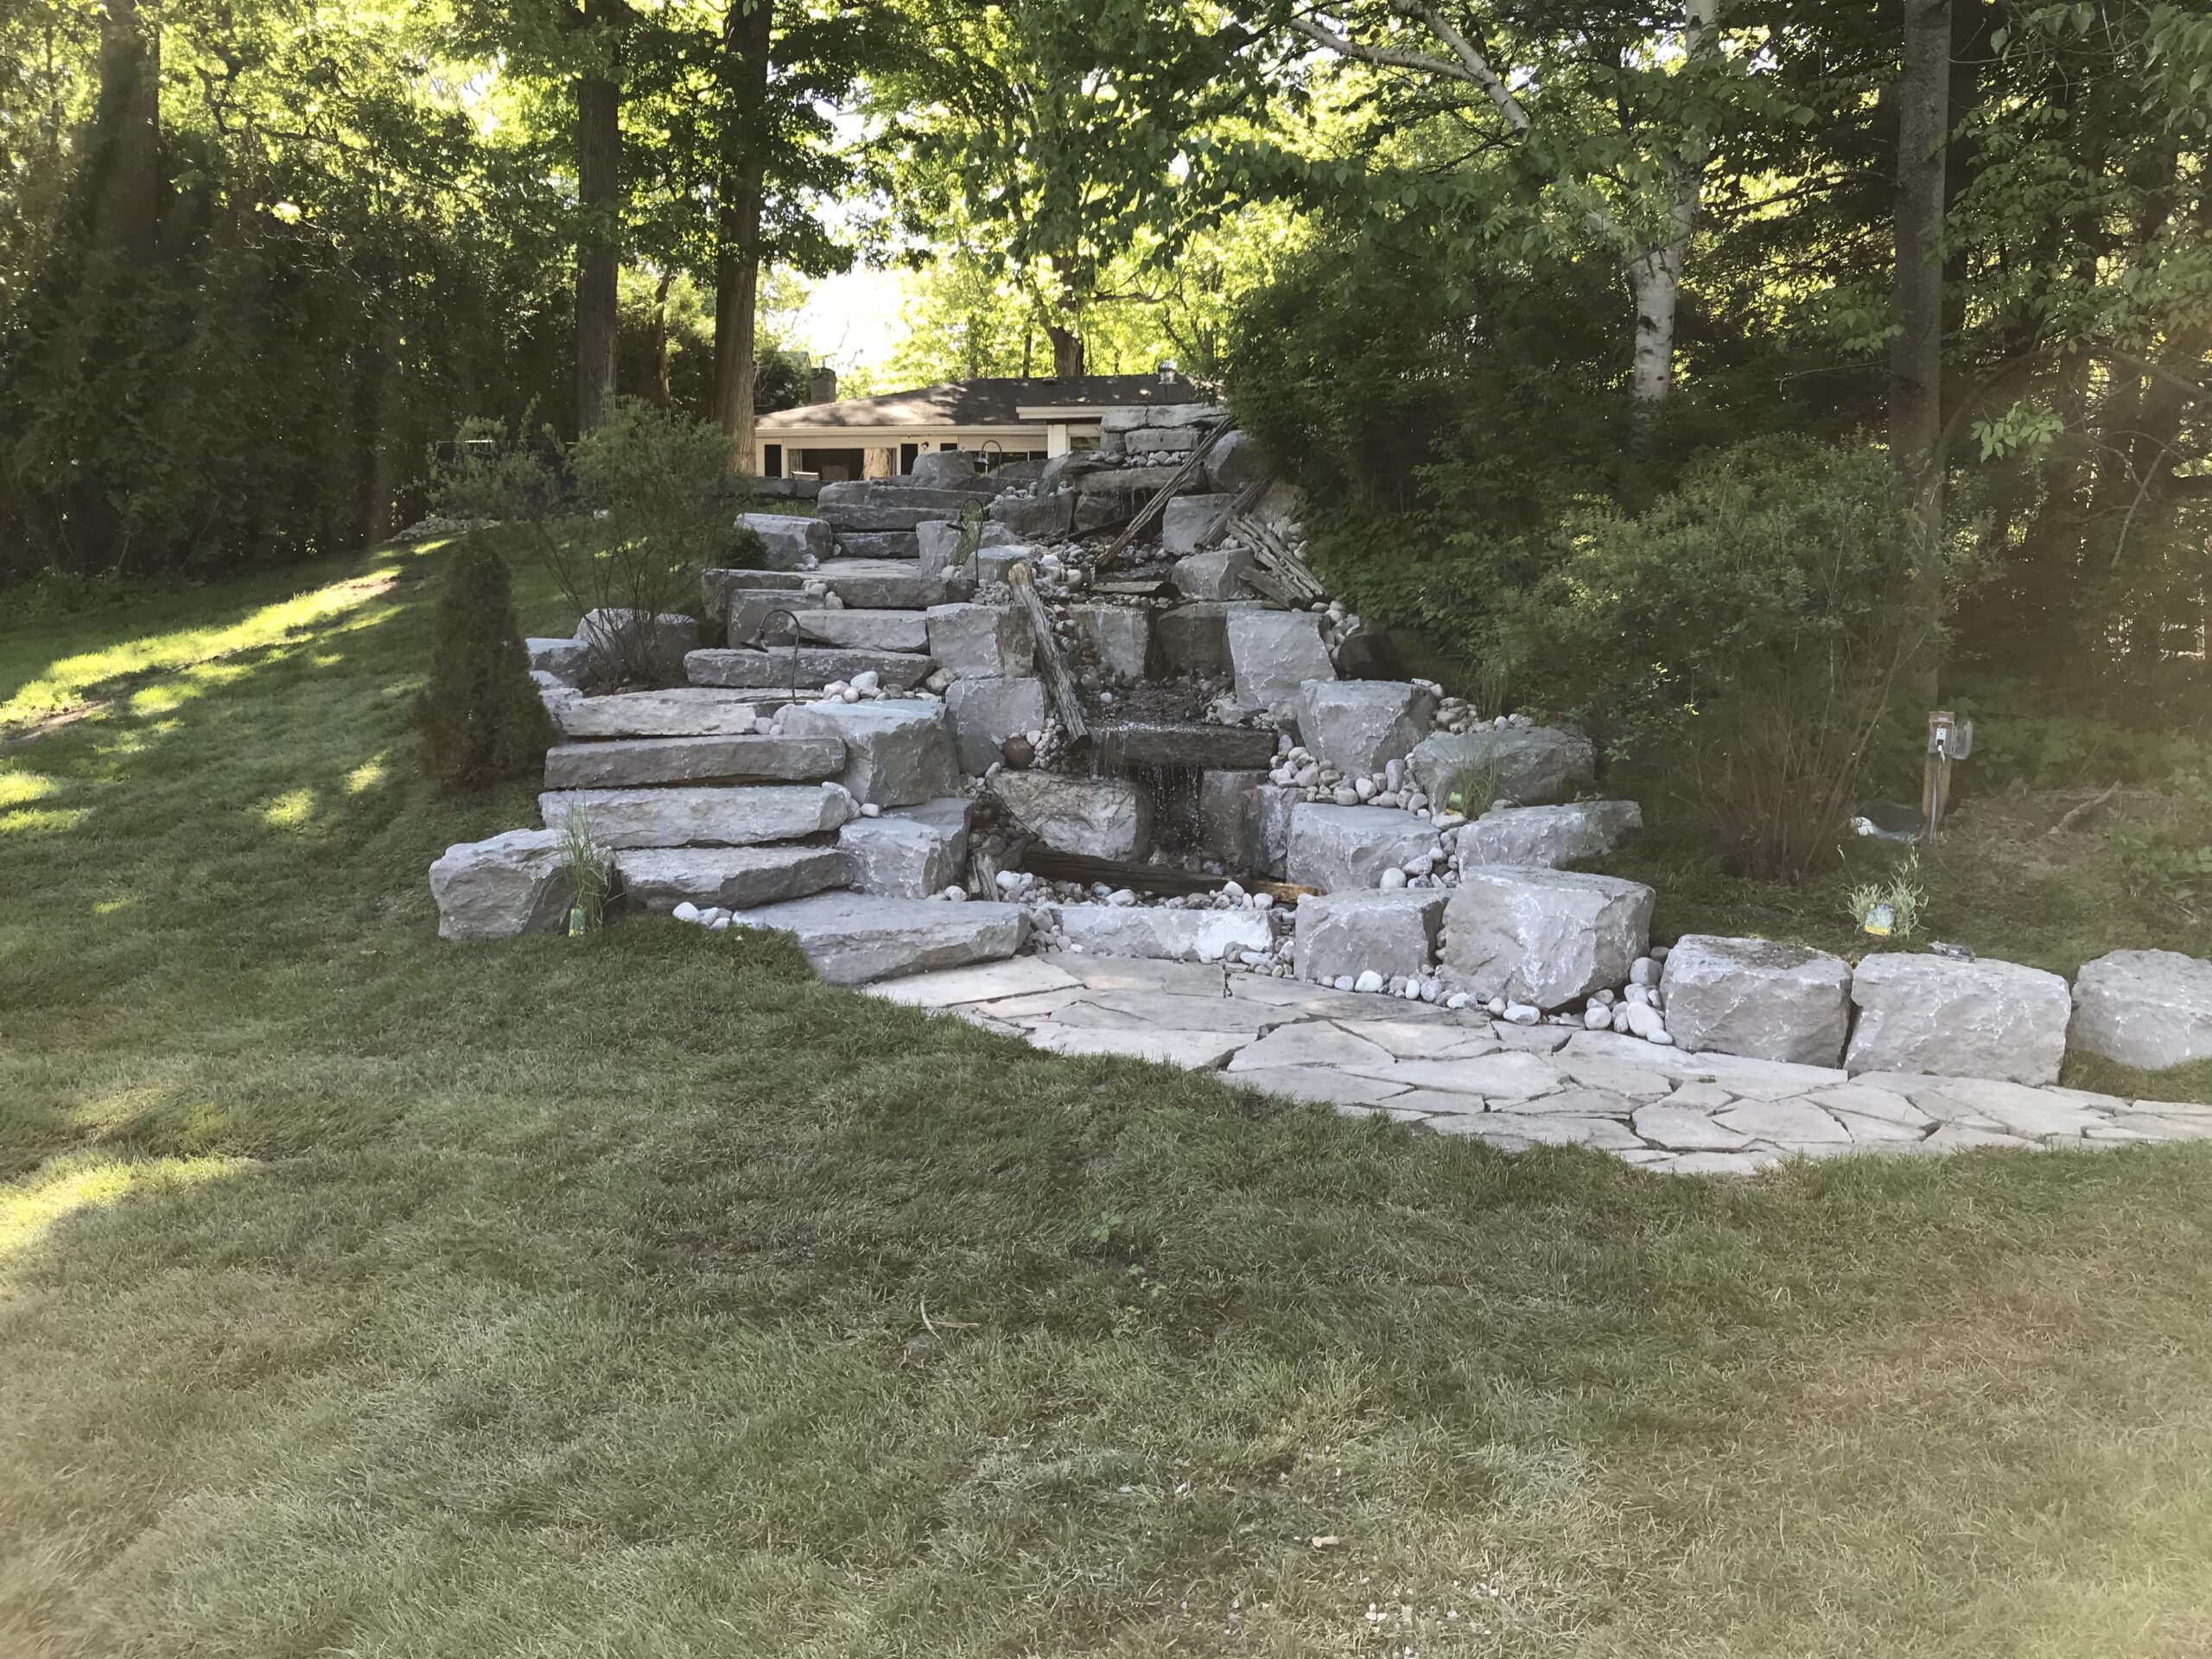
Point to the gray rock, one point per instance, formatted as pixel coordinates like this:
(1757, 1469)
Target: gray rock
(731, 878)
(567, 660)
(790, 539)
(811, 666)
(1543, 936)
(1346, 848)
(717, 589)
(895, 544)
(897, 751)
(996, 564)
(1194, 523)
(954, 469)
(1531, 765)
(1394, 933)
(701, 818)
(1229, 818)
(881, 584)
(1272, 806)
(866, 630)
(984, 713)
(1095, 818)
(1137, 418)
(2150, 1009)
(641, 762)
(1104, 509)
(1548, 836)
(1193, 638)
(952, 817)
(511, 885)
(901, 857)
(982, 641)
(1757, 998)
(1119, 636)
(1176, 935)
(1042, 517)
(1212, 575)
(1141, 482)
(615, 640)
(1361, 726)
(1235, 462)
(680, 711)
(1273, 654)
(853, 938)
(879, 504)
(937, 547)
(1993, 1019)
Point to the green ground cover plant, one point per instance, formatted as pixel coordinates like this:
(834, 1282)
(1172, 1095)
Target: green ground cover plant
(638, 1293)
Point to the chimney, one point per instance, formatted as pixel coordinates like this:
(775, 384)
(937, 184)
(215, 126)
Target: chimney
(821, 386)
(1167, 373)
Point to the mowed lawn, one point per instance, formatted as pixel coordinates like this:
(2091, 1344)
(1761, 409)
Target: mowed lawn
(365, 1295)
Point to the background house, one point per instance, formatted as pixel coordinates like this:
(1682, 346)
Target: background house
(1005, 419)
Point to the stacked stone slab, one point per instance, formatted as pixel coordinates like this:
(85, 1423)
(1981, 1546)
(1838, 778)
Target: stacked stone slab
(1757, 998)
(1392, 934)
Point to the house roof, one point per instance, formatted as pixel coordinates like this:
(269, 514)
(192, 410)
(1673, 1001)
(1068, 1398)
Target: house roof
(984, 402)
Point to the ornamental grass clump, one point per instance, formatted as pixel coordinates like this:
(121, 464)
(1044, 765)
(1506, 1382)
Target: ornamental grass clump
(481, 719)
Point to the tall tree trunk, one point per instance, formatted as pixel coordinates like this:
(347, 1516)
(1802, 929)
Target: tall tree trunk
(1656, 277)
(1916, 353)
(126, 200)
(663, 394)
(1067, 350)
(1069, 354)
(599, 248)
(748, 38)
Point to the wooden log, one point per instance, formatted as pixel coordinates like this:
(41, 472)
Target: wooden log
(1051, 667)
(1152, 510)
(1055, 866)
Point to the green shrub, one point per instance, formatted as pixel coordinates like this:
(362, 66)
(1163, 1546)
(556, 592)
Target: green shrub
(480, 716)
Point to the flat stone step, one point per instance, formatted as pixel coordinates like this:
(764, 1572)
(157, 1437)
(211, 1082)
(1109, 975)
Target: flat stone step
(817, 666)
(871, 504)
(882, 584)
(852, 938)
(682, 711)
(637, 763)
(732, 878)
(623, 818)
(867, 630)
(879, 544)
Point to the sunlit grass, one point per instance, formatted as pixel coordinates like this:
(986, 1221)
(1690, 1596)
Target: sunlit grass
(73, 1184)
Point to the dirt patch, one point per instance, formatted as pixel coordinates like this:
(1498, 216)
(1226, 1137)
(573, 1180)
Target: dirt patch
(2044, 831)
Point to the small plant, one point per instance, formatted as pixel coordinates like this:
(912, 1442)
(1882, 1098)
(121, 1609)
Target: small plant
(1470, 789)
(1891, 909)
(591, 873)
(481, 719)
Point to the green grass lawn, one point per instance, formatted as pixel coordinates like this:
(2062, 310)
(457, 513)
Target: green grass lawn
(365, 1295)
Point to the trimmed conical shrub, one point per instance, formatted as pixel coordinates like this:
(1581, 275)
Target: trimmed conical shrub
(480, 716)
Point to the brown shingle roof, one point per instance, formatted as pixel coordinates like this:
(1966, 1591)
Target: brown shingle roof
(986, 403)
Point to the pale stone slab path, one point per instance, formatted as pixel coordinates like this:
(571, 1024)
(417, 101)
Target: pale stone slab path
(1515, 1086)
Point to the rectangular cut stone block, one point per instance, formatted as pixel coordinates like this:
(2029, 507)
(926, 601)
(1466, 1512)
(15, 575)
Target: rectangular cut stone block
(701, 818)
(1216, 575)
(872, 504)
(902, 858)
(502, 888)
(1360, 726)
(1136, 418)
(1118, 636)
(853, 938)
(866, 630)
(953, 817)
(1543, 936)
(730, 878)
(1272, 654)
(881, 584)
(1346, 848)
(982, 641)
(1141, 482)
(1194, 638)
(2150, 1009)
(637, 763)
(879, 544)
(1548, 836)
(1093, 818)
(984, 713)
(1530, 766)
(816, 667)
(1756, 998)
(1176, 935)
(790, 541)
(1228, 819)
(897, 750)
(1392, 933)
(1194, 523)
(1993, 1019)
(680, 711)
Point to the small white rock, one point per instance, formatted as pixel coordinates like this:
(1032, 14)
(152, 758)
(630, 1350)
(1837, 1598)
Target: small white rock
(1521, 1014)
(1392, 880)
(1371, 981)
(871, 810)
(686, 912)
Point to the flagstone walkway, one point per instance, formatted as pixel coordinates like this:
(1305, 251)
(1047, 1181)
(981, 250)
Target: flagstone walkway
(1516, 1086)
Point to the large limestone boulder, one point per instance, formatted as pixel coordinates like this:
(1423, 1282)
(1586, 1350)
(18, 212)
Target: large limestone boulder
(881, 503)
(642, 762)
(1392, 933)
(982, 641)
(1548, 836)
(901, 857)
(1948, 1018)
(2150, 1009)
(728, 878)
(1193, 638)
(511, 885)
(953, 817)
(1219, 575)
(701, 818)
(1119, 637)
(897, 750)
(790, 541)
(853, 938)
(1094, 818)
(1757, 998)
(1043, 518)
(1530, 766)
(1173, 935)
(1273, 654)
(954, 469)
(1194, 523)
(1235, 462)
(1346, 848)
(1548, 938)
(865, 630)
(984, 713)
(1361, 726)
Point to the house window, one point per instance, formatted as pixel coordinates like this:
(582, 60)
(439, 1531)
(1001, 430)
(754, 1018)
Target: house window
(772, 459)
(908, 453)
